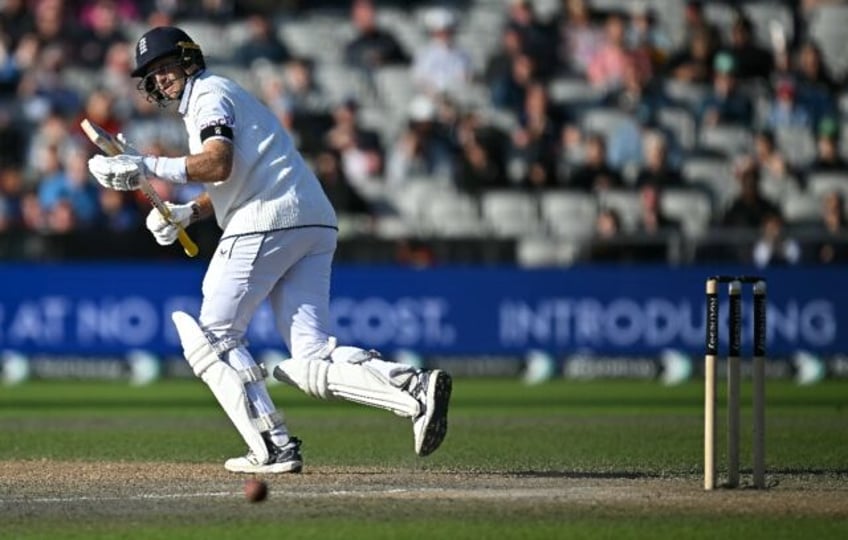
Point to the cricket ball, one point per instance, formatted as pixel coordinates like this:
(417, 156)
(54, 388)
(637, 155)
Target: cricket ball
(255, 490)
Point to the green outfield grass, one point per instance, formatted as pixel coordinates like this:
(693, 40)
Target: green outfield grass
(568, 432)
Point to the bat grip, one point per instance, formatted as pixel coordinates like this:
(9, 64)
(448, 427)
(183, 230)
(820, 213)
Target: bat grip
(188, 244)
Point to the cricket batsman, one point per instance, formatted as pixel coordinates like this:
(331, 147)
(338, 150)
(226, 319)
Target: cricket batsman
(279, 237)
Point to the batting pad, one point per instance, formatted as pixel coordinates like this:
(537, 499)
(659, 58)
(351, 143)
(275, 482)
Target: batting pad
(224, 381)
(352, 382)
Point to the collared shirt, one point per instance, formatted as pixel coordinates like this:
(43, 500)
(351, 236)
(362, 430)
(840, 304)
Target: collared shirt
(270, 186)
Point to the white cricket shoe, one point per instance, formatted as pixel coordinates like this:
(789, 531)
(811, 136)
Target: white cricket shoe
(285, 459)
(433, 391)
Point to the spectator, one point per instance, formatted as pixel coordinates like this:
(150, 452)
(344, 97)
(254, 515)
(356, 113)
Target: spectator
(478, 167)
(537, 40)
(360, 151)
(638, 97)
(695, 21)
(115, 79)
(509, 72)
(52, 26)
(16, 21)
(11, 194)
(811, 71)
(7, 218)
(60, 218)
(44, 88)
(13, 141)
(607, 67)
(815, 86)
(262, 43)
(749, 209)
(71, 184)
(33, 217)
(215, 11)
(441, 65)
(777, 179)
(607, 243)
(119, 211)
(98, 108)
(100, 30)
(344, 198)
(302, 89)
(775, 247)
(694, 64)
(833, 231)
(308, 103)
(827, 157)
(46, 144)
(726, 104)
(10, 71)
(786, 111)
(652, 219)
(532, 156)
(423, 148)
(372, 47)
(657, 170)
(580, 37)
(594, 174)
(752, 61)
(643, 33)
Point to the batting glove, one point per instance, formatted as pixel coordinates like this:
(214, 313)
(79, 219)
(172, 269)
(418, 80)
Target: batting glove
(122, 172)
(165, 230)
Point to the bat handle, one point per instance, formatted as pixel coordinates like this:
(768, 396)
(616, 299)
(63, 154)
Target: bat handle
(188, 244)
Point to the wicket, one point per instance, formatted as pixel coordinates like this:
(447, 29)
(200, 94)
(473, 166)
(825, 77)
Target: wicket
(735, 284)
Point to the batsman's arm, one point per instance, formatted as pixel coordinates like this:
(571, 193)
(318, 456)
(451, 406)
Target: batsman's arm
(203, 207)
(189, 247)
(116, 144)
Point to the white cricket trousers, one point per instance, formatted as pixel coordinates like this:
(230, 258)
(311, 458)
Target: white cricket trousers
(291, 269)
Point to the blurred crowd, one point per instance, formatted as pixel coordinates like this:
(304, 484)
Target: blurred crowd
(639, 114)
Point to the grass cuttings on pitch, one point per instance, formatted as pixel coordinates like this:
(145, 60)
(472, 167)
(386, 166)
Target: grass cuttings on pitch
(601, 459)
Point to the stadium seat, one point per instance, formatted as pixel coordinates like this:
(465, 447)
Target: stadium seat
(543, 251)
(394, 87)
(764, 14)
(802, 208)
(688, 95)
(339, 82)
(394, 227)
(510, 213)
(82, 80)
(728, 140)
(319, 38)
(822, 183)
(572, 90)
(714, 175)
(681, 123)
(410, 198)
(213, 37)
(691, 207)
(569, 214)
(626, 203)
(797, 144)
(604, 120)
(452, 214)
(826, 26)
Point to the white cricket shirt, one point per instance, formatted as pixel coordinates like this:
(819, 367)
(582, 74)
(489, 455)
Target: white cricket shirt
(270, 186)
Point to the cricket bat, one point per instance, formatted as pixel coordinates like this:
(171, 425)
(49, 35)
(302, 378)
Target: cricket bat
(111, 146)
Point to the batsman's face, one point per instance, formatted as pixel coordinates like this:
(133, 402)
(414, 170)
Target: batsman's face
(168, 76)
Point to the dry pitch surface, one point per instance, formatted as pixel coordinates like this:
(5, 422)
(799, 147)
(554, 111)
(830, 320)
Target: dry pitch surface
(44, 489)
